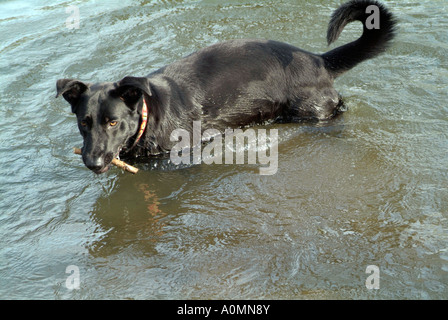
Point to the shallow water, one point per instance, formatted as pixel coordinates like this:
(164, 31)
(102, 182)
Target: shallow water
(369, 188)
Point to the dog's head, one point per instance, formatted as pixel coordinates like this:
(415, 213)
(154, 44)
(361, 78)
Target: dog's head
(108, 116)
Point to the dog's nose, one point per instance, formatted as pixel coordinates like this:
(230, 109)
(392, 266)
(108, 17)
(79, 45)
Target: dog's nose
(94, 164)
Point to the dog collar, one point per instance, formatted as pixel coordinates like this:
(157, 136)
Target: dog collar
(144, 121)
(143, 124)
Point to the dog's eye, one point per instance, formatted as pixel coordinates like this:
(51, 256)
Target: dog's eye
(113, 123)
(83, 123)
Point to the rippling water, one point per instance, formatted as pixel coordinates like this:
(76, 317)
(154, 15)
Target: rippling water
(369, 188)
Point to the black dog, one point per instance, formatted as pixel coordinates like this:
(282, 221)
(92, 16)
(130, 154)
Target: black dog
(227, 85)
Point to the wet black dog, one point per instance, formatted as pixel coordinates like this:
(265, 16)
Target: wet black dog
(230, 84)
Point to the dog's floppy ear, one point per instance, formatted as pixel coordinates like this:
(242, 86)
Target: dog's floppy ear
(130, 90)
(71, 90)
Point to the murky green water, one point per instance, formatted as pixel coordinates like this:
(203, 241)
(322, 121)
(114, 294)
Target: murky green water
(369, 188)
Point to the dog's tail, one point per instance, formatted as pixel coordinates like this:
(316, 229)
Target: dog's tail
(378, 30)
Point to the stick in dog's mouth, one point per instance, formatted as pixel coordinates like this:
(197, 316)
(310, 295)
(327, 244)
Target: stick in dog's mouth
(121, 164)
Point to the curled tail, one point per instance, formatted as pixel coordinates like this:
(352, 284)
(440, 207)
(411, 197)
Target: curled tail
(378, 30)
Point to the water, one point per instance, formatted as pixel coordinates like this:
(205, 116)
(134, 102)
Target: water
(369, 188)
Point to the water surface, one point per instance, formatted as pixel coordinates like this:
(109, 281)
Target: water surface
(369, 188)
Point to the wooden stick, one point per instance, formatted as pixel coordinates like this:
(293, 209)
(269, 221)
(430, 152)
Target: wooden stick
(121, 164)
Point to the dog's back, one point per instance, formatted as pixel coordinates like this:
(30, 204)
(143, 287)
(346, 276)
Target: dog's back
(242, 82)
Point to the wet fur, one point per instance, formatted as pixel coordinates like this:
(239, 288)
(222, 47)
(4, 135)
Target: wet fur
(230, 84)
